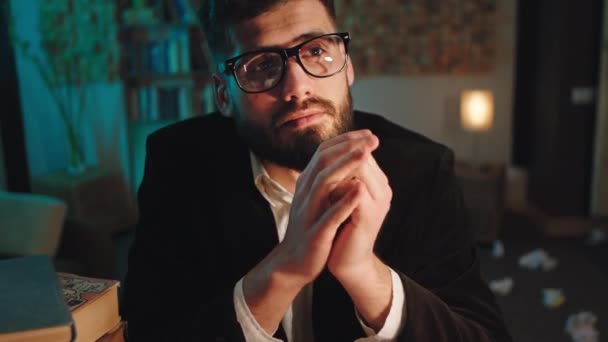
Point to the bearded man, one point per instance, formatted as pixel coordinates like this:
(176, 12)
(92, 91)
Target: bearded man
(289, 216)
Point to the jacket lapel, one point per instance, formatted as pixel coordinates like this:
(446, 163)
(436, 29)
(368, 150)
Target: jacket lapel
(247, 224)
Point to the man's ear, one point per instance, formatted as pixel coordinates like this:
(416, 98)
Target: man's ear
(350, 72)
(222, 98)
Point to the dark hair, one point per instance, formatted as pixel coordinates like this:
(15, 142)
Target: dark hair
(219, 17)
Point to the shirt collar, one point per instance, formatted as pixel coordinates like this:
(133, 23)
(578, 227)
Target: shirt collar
(274, 192)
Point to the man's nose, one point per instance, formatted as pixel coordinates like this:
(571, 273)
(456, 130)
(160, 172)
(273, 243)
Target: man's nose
(297, 84)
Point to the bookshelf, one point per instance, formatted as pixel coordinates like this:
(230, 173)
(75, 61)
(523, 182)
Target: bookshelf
(161, 77)
(164, 69)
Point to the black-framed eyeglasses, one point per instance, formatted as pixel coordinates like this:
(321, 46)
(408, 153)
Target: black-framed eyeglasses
(261, 70)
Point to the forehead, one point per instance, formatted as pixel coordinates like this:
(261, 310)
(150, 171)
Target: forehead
(283, 26)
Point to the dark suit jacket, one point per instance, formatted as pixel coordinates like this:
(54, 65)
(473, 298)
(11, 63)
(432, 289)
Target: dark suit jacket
(203, 225)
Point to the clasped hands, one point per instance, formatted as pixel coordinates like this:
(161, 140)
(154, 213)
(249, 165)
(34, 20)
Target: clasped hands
(340, 202)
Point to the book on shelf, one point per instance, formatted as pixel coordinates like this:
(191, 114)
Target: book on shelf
(168, 53)
(32, 306)
(161, 103)
(152, 106)
(179, 10)
(93, 303)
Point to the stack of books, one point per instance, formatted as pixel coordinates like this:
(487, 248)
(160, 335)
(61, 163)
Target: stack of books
(38, 304)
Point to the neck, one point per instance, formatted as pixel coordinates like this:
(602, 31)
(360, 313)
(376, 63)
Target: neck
(284, 176)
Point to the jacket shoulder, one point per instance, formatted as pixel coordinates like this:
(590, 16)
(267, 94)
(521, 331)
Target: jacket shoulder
(200, 130)
(396, 137)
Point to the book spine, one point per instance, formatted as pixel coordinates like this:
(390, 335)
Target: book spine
(134, 104)
(153, 104)
(173, 53)
(184, 105)
(143, 101)
(184, 52)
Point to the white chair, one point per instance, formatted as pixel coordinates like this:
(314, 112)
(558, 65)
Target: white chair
(30, 224)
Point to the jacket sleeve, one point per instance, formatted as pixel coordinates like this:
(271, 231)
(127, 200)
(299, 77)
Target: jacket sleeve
(171, 288)
(446, 298)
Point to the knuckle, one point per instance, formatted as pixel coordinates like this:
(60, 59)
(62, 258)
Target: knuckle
(359, 153)
(319, 180)
(389, 194)
(323, 161)
(358, 187)
(322, 165)
(323, 177)
(356, 135)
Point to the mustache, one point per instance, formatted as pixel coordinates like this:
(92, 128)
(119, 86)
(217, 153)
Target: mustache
(313, 102)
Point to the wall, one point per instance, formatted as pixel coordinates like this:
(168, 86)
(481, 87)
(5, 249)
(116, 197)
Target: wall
(599, 190)
(427, 104)
(430, 104)
(105, 119)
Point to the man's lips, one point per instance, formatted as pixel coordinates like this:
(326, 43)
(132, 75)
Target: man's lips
(300, 118)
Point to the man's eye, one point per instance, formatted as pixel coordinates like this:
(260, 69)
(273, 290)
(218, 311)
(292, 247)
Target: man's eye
(263, 65)
(316, 51)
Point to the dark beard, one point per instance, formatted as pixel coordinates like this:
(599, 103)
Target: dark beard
(295, 150)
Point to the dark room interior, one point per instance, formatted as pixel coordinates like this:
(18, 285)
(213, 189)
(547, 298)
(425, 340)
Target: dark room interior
(533, 174)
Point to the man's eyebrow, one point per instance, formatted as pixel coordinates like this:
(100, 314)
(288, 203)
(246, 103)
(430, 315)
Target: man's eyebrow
(294, 41)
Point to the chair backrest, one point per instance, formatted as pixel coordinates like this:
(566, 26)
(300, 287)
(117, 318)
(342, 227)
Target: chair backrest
(30, 224)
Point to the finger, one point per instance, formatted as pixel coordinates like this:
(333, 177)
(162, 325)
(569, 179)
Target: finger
(352, 135)
(372, 176)
(333, 175)
(366, 202)
(383, 182)
(338, 213)
(324, 158)
(380, 172)
(367, 141)
(318, 191)
(341, 190)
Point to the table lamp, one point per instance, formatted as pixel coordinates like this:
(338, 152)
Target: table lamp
(476, 114)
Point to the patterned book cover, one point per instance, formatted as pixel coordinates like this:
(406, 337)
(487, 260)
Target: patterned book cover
(93, 303)
(79, 290)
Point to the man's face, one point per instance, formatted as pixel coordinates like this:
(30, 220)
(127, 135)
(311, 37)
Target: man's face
(286, 124)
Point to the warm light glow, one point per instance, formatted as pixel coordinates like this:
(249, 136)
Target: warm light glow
(476, 110)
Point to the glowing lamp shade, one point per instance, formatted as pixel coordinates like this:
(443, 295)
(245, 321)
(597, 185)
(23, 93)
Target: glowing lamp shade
(476, 110)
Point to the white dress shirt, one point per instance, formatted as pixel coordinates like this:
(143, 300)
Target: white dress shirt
(297, 321)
